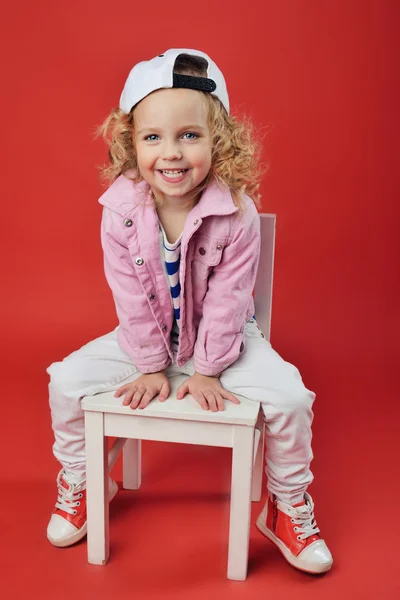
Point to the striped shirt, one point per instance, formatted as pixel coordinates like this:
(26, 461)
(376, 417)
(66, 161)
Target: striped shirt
(171, 256)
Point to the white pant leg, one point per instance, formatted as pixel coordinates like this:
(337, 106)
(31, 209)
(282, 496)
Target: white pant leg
(99, 366)
(261, 374)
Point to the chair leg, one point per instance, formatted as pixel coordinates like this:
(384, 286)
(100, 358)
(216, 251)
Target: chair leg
(258, 468)
(114, 451)
(239, 526)
(132, 465)
(98, 544)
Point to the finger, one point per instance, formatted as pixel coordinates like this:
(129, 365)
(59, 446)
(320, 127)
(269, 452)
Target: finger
(128, 396)
(129, 400)
(120, 391)
(137, 398)
(134, 404)
(211, 401)
(139, 394)
(136, 401)
(149, 395)
(220, 401)
(182, 391)
(198, 396)
(230, 397)
(165, 392)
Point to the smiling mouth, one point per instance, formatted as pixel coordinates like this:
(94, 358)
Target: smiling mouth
(173, 172)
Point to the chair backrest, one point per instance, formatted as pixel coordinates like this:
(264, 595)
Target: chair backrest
(265, 274)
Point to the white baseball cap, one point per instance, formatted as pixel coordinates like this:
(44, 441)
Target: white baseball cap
(157, 73)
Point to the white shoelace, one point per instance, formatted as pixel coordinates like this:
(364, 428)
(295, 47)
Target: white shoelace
(69, 498)
(304, 516)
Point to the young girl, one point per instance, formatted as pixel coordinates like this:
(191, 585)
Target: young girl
(181, 239)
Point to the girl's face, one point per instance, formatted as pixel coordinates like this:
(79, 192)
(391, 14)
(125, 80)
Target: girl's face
(173, 143)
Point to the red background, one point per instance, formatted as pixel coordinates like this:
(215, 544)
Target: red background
(320, 79)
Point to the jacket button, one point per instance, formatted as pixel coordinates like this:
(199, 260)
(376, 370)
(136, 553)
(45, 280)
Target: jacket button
(202, 251)
(139, 261)
(128, 223)
(262, 335)
(152, 297)
(195, 222)
(241, 347)
(219, 247)
(164, 327)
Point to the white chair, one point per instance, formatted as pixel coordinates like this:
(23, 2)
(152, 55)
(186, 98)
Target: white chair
(240, 427)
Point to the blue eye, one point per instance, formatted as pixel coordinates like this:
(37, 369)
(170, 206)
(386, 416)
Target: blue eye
(193, 134)
(153, 135)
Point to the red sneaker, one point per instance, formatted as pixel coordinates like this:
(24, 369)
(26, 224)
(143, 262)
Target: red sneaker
(294, 530)
(67, 523)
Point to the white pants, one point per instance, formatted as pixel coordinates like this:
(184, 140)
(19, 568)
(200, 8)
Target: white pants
(259, 374)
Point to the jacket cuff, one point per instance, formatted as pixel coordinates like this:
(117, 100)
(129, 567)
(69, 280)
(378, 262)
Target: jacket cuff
(152, 365)
(215, 368)
(146, 364)
(209, 369)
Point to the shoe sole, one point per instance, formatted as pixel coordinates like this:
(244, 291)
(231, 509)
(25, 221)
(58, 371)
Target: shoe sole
(292, 560)
(78, 535)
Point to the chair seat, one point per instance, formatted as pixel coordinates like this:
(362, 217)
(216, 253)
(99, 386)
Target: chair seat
(245, 413)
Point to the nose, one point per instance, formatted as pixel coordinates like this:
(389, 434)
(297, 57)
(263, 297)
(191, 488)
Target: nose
(171, 151)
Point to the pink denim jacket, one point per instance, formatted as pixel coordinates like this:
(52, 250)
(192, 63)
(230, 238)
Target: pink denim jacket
(220, 252)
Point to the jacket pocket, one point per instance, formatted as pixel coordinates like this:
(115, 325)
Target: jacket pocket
(208, 250)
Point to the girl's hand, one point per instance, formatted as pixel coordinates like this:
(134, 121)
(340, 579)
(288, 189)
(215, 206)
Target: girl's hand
(207, 391)
(139, 393)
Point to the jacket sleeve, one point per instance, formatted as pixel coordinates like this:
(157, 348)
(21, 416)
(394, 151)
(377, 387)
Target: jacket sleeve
(139, 334)
(220, 335)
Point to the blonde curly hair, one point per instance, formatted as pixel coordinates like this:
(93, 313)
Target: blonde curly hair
(236, 152)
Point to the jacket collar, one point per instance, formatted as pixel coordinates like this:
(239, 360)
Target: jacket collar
(125, 195)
